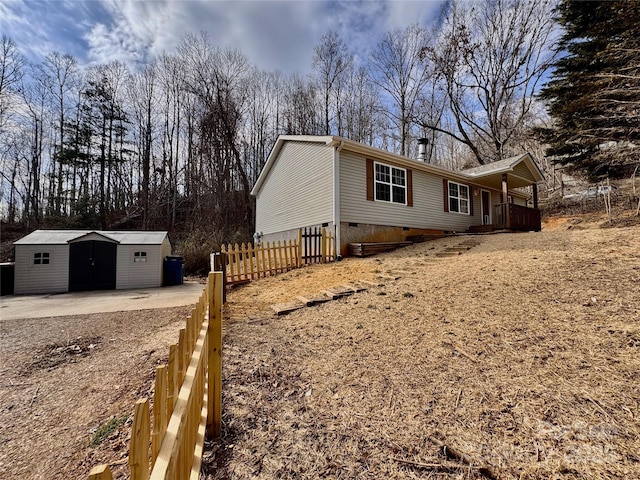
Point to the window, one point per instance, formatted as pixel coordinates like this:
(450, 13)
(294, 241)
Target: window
(390, 184)
(41, 258)
(458, 198)
(139, 257)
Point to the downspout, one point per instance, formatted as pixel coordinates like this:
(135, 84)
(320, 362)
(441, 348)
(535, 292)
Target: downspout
(336, 197)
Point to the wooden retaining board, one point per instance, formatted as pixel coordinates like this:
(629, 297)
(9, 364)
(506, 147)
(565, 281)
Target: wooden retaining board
(314, 299)
(284, 308)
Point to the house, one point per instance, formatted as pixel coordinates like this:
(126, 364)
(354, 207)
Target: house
(369, 195)
(51, 261)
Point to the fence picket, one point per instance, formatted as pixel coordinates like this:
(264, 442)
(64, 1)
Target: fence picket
(214, 401)
(181, 356)
(251, 261)
(172, 378)
(159, 412)
(263, 267)
(243, 250)
(139, 446)
(187, 398)
(286, 256)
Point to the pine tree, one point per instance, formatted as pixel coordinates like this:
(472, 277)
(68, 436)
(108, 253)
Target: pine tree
(594, 93)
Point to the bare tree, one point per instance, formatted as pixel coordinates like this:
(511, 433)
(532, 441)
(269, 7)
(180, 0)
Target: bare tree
(492, 56)
(331, 62)
(59, 75)
(361, 107)
(142, 98)
(11, 73)
(399, 68)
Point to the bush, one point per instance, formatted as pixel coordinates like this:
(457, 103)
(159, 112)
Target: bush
(196, 249)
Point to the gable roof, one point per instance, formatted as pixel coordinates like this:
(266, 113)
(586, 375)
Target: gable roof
(483, 175)
(505, 166)
(62, 237)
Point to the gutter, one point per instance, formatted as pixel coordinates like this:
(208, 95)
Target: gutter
(336, 195)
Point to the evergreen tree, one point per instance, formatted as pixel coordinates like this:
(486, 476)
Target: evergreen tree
(594, 93)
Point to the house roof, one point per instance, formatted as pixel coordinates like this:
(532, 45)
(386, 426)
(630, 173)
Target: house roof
(491, 171)
(62, 237)
(486, 175)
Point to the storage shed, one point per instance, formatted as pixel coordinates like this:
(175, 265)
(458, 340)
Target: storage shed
(53, 261)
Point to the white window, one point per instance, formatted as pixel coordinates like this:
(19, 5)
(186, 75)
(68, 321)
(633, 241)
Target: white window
(390, 184)
(41, 258)
(139, 257)
(458, 198)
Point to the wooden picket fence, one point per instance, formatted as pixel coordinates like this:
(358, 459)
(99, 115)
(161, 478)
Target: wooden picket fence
(187, 399)
(249, 261)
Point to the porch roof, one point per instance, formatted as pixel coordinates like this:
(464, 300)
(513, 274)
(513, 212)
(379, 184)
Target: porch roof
(521, 171)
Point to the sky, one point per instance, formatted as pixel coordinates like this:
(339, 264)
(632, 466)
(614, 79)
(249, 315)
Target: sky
(273, 34)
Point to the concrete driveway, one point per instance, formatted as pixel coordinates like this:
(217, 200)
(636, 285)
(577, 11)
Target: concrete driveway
(13, 307)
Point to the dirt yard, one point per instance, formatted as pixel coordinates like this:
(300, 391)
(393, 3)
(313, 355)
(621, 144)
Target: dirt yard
(519, 358)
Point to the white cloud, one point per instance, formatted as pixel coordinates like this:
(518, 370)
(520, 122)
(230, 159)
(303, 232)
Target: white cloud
(273, 34)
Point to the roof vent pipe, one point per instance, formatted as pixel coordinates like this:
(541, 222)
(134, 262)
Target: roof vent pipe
(422, 149)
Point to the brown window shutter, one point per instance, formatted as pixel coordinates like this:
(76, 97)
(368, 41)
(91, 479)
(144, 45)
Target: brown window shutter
(470, 200)
(369, 179)
(409, 188)
(445, 191)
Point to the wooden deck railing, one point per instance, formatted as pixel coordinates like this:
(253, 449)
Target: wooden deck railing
(247, 262)
(516, 217)
(187, 400)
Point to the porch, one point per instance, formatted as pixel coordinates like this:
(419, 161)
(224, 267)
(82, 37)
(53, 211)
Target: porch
(508, 216)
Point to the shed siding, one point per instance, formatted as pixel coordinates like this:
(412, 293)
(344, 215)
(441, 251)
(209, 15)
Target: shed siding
(298, 190)
(130, 274)
(51, 278)
(428, 207)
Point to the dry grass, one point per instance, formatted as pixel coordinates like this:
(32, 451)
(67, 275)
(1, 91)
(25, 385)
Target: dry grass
(521, 355)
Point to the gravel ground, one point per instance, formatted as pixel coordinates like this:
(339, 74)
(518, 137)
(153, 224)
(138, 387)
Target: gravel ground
(521, 356)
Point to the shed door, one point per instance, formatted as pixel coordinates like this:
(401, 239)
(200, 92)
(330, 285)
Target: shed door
(92, 266)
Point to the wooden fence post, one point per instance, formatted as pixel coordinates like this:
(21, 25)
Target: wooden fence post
(299, 247)
(220, 265)
(101, 472)
(139, 443)
(214, 401)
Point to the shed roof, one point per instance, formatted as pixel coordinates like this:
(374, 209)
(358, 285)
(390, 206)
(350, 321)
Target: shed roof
(62, 237)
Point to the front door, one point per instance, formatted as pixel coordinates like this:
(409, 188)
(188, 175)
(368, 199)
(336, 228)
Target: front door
(486, 207)
(92, 266)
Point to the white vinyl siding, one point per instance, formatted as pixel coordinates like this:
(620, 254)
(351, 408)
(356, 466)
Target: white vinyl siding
(522, 171)
(298, 190)
(41, 278)
(428, 203)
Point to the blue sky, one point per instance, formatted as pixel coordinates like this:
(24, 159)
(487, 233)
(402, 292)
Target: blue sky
(275, 35)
